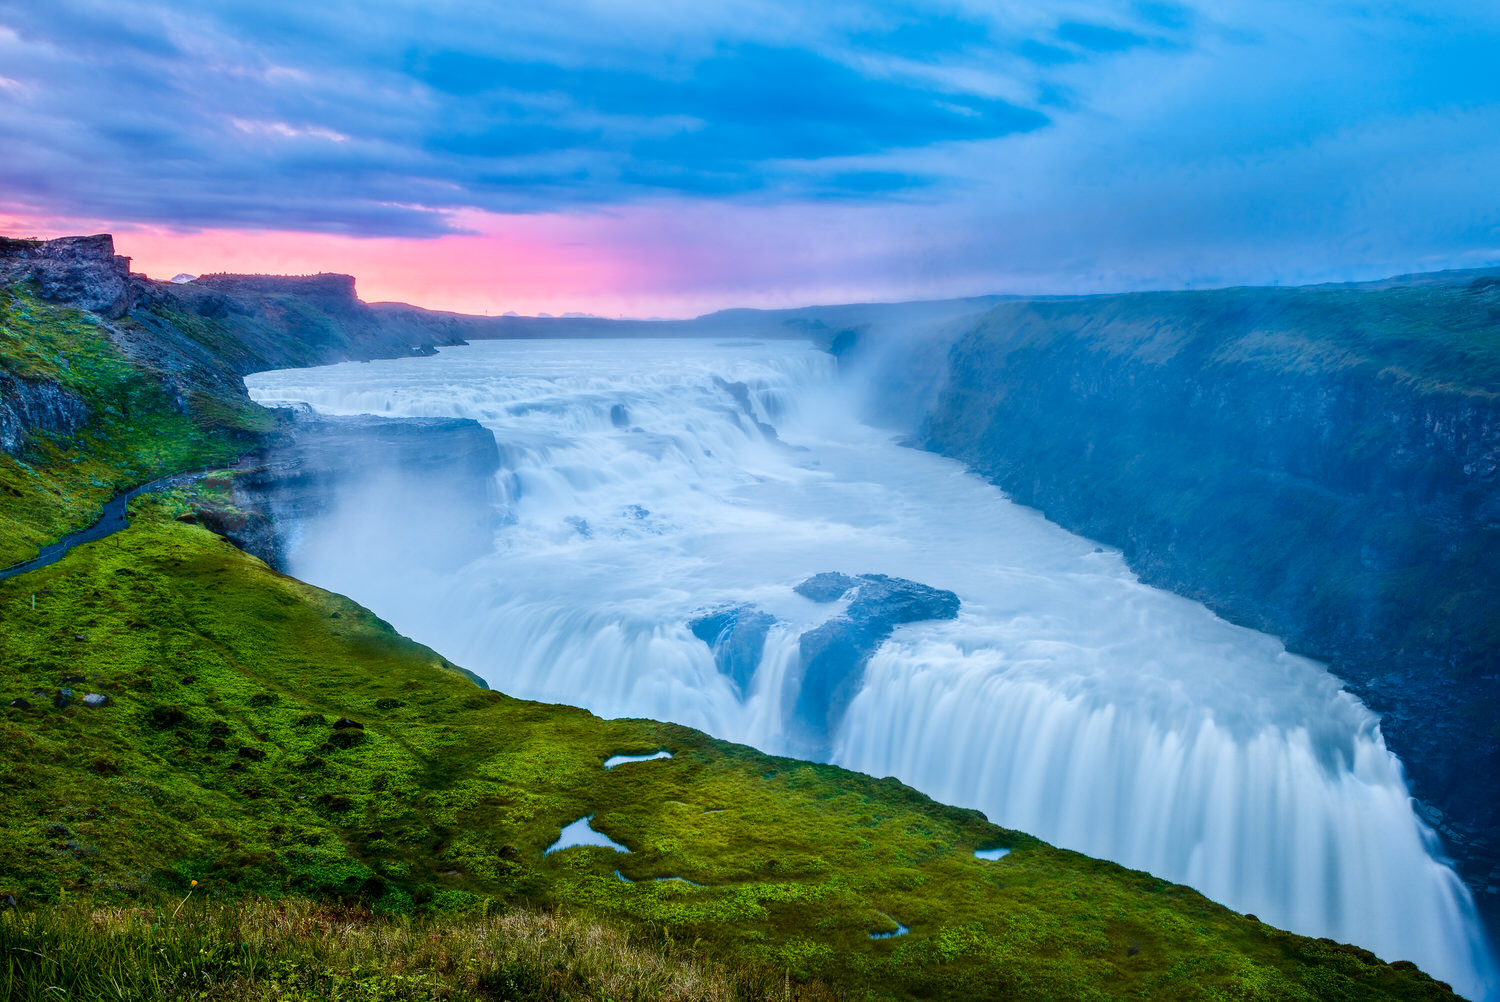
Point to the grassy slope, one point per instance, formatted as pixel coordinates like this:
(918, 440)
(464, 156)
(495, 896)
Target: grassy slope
(134, 435)
(1437, 339)
(450, 794)
(217, 761)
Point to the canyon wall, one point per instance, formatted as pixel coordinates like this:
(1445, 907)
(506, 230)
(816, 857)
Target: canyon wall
(1322, 464)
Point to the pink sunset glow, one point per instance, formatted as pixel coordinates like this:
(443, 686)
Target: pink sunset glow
(651, 260)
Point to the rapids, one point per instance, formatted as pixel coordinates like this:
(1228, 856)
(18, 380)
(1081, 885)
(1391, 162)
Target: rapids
(645, 481)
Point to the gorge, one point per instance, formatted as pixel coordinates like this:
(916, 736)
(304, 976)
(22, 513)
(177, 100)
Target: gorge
(642, 487)
(722, 522)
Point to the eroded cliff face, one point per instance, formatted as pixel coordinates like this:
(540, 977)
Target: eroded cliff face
(1323, 465)
(28, 405)
(423, 485)
(79, 271)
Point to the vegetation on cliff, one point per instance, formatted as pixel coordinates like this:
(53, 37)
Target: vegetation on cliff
(137, 428)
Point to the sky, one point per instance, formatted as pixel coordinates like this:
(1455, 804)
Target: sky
(668, 157)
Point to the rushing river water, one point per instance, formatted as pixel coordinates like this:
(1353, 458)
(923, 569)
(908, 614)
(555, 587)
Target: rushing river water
(641, 486)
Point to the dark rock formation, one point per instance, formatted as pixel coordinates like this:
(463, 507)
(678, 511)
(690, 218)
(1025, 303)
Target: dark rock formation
(36, 405)
(424, 484)
(78, 271)
(327, 286)
(737, 636)
(829, 586)
(834, 654)
(1322, 464)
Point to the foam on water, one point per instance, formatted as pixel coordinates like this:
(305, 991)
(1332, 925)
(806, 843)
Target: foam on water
(1067, 699)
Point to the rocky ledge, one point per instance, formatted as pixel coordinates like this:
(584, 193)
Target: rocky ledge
(834, 654)
(80, 271)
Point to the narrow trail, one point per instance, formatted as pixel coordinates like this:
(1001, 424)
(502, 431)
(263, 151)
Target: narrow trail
(111, 521)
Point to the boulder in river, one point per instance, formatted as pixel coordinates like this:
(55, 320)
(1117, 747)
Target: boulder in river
(737, 636)
(834, 654)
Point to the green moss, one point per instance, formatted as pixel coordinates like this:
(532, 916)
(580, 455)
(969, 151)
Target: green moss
(217, 760)
(135, 432)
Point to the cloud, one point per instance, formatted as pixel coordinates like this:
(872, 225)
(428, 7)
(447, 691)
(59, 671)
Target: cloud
(133, 104)
(946, 146)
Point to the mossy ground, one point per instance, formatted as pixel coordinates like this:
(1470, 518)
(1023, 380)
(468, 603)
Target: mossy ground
(217, 760)
(136, 431)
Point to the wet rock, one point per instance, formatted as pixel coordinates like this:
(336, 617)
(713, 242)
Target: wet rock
(619, 416)
(59, 831)
(436, 477)
(70, 679)
(737, 636)
(828, 586)
(834, 654)
(344, 723)
(21, 703)
(40, 692)
(62, 698)
(741, 394)
(94, 700)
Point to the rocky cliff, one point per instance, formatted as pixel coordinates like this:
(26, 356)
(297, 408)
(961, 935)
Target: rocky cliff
(32, 405)
(1322, 464)
(422, 484)
(80, 271)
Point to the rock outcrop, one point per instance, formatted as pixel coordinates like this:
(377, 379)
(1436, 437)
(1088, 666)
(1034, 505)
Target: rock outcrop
(737, 636)
(422, 485)
(834, 654)
(28, 405)
(78, 271)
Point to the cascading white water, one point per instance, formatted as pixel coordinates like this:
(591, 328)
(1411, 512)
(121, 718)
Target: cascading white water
(1067, 699)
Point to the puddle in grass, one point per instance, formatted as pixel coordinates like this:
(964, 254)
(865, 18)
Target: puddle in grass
(579, 833)
(990, 853)
(615, 760)
(900, 930)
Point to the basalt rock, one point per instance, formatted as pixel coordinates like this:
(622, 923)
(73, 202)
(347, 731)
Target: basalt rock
(834, 655)
(28, 405)
(737, 636)
(1322, 464)
(424, 485)
(78, 271)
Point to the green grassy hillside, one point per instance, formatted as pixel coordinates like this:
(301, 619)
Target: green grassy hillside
(136, 430)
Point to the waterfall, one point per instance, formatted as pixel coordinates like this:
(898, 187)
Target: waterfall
(645, 482)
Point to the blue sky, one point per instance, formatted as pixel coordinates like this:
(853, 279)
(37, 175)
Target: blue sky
(765, 152)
